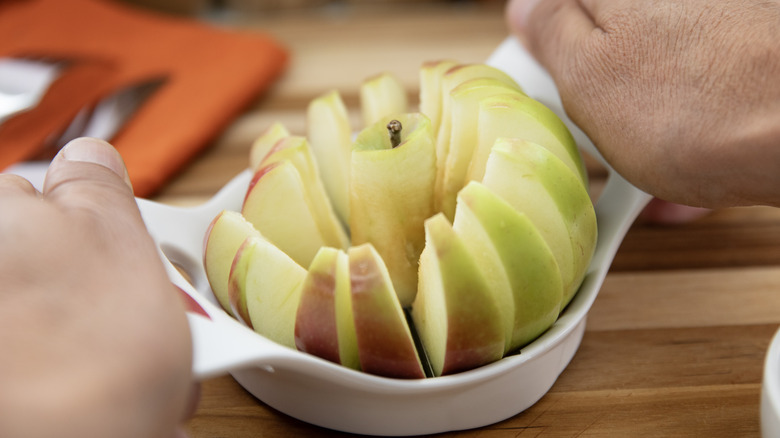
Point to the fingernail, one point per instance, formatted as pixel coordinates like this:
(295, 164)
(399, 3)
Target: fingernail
(93, 150)
(519, 10)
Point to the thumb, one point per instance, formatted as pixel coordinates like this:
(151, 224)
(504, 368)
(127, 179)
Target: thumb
(89, 176)
(552, 30)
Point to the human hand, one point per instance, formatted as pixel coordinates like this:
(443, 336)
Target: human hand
(94, 338)
(682, 98)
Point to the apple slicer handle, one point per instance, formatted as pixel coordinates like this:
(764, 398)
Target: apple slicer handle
(219, 341)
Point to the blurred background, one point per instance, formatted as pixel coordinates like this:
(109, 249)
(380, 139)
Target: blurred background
(207, 7)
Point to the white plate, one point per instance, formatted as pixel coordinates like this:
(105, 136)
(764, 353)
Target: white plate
(770, 391)
(328, 395)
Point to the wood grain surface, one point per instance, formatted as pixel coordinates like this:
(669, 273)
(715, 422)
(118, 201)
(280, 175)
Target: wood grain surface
(675, 342)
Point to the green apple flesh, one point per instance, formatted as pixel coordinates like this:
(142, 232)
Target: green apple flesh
(518, 116)
(271, 284)
(263, 144)
(537, 183)
(297, 151)
(277, 204)
(330, 136)
(385, 343)
(530, 266)
(456, 314)
(391, 195)
(464, 113)
(430, 89)
(224, 236)
(381, 96)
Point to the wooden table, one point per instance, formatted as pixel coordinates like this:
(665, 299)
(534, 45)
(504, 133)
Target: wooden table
(676, 340)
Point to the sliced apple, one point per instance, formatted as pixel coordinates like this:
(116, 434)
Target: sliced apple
(391, 195)
(270, 283)
(464, 117)
(297, 151)
(263, 144)
(381, 96)
(316, 330)
(278, 206)
(456, 314)
(537, 183)
(385, 343)
(519, 116)
(430, 89)
(330, 136)
(530, 266)
(454, 77)
(227, 231)
(324, 323)
(237, 282)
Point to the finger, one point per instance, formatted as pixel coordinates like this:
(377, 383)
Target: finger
(553, 30)
(15, 185)
(88, 176)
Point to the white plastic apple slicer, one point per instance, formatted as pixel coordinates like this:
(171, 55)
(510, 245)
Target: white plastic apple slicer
(335, 397)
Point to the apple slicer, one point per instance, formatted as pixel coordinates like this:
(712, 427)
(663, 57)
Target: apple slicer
(329, 395)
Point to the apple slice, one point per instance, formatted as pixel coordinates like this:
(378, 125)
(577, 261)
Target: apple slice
(391, 195)
(519, 116)
(330, 136)
(324, 324)
(456, 314)
(537, 183)
(454, 77)
(430, 89)
(277, 205)
(380, 96)
(269, 282)
(296, 150)
(533, 274)
(263, 144)
(385, 343)
(464, 113)
(227, 231)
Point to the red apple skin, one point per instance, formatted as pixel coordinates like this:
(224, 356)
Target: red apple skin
(384, 344)
(256, 177)
(315, 320)
(236, 285)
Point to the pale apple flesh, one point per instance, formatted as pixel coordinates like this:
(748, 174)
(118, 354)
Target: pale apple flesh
(265, 142)
(381, 96)
(330, 136)
(225, 234)
(430, 89)
(464, 116)
(385, 343)
(392, 194)
(277, 205)
(456, 315)
(450, 80)
(272, 288)
(297, 151)
(513, 115)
